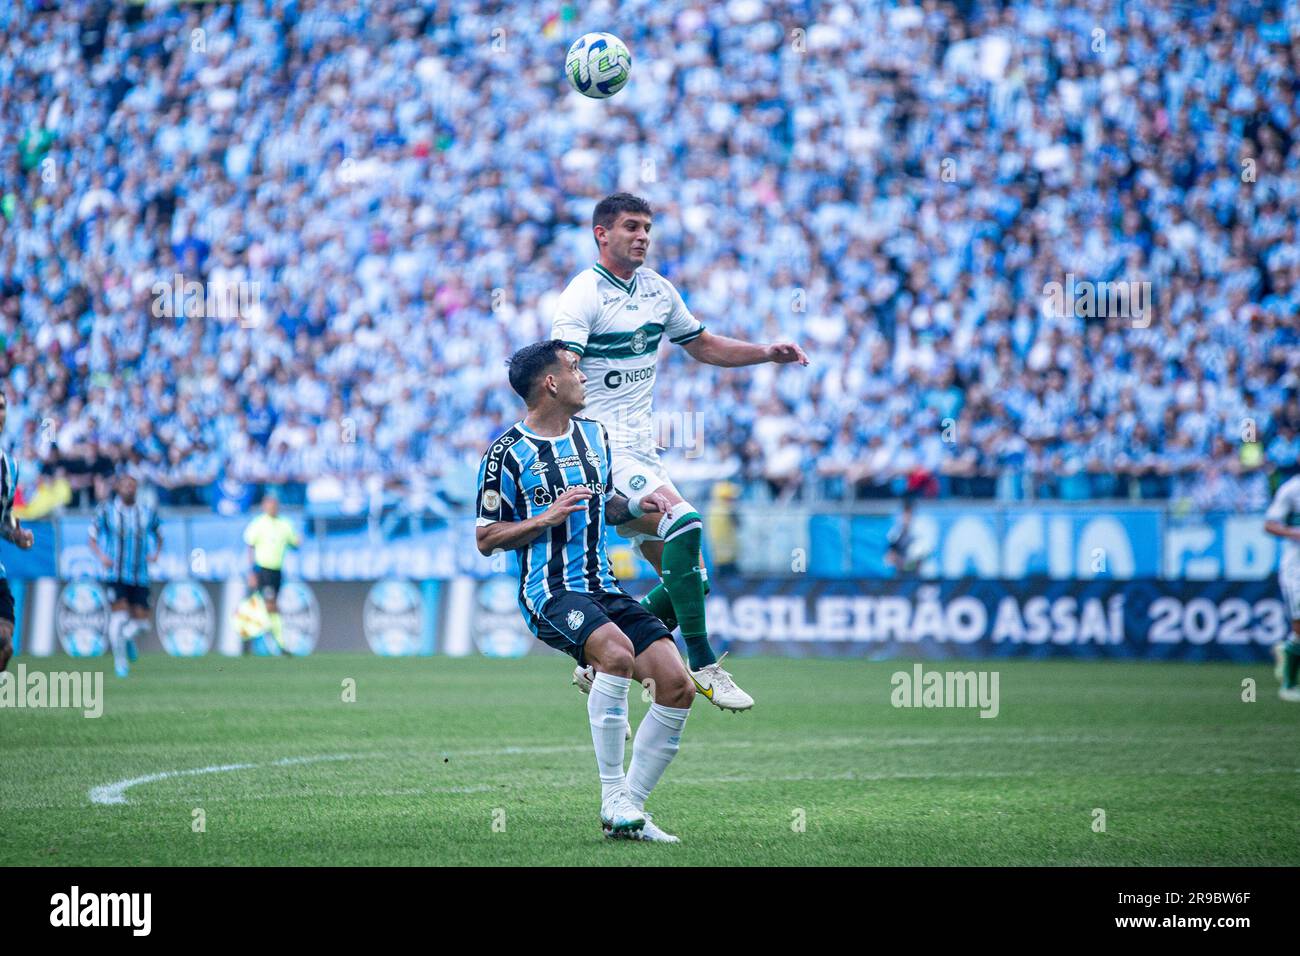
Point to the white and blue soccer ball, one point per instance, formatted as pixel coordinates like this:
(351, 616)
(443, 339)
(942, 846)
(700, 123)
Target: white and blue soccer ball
(598, 65)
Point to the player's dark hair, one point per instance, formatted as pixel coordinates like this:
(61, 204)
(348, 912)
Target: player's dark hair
(530, 363)
(610, 208)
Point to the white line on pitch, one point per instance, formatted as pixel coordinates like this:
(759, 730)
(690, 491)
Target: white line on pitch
(115, 793)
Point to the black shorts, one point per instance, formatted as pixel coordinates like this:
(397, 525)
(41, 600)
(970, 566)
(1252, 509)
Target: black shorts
(569, 617)
(268, 582)
(135, 595)
(6, 601)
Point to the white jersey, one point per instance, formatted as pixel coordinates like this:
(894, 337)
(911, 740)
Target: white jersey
(1285, 509)
(615, 327)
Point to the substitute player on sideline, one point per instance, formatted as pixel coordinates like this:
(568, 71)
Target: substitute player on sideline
(119, 538)
(545, 492)
(268, 537)
(613, 316)
(1283, 519)
(13, 533)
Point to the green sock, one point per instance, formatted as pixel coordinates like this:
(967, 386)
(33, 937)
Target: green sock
(685, 586)
(1290, 662)
(658, 603)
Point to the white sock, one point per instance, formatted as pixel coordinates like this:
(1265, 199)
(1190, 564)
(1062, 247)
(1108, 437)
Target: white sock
(656, 744)
(116, 641)
(607, 714)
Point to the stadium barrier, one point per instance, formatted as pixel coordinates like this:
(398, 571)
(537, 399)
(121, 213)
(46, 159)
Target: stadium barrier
(950, 540)
(797, 616)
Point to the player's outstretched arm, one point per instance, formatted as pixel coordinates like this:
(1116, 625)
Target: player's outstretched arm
(618, 510)
(732, 353)
(509, 535)
(1281, 530)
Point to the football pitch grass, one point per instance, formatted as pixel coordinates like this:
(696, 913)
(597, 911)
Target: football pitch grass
(474, 761)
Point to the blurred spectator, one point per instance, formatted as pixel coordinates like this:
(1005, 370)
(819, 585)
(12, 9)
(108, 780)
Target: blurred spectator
(297, 251)
(724, 546)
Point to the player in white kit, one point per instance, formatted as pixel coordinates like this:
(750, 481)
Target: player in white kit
(1283, 519)
(614, 316)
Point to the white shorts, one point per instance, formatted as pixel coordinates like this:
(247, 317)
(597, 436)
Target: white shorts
(1288, 576)
(637, 471)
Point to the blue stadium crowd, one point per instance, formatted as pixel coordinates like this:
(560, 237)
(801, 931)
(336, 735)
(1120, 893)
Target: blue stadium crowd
(378, 201)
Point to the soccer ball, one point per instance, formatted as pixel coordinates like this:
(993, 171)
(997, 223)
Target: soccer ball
(598, 65)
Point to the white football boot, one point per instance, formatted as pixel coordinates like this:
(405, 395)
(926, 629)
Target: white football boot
(719, 689)
(1289, 694)
(650, 833)
(619, 817)
(582, 678)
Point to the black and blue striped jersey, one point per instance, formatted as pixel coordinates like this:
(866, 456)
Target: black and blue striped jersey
(520, 476)
(8, 488)
(124, 533)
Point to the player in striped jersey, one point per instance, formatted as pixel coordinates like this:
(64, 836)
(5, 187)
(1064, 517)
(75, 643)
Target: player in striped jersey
(613, 317)
(14, 534)
(1283, 520)
(119, 537)
(545, 493)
